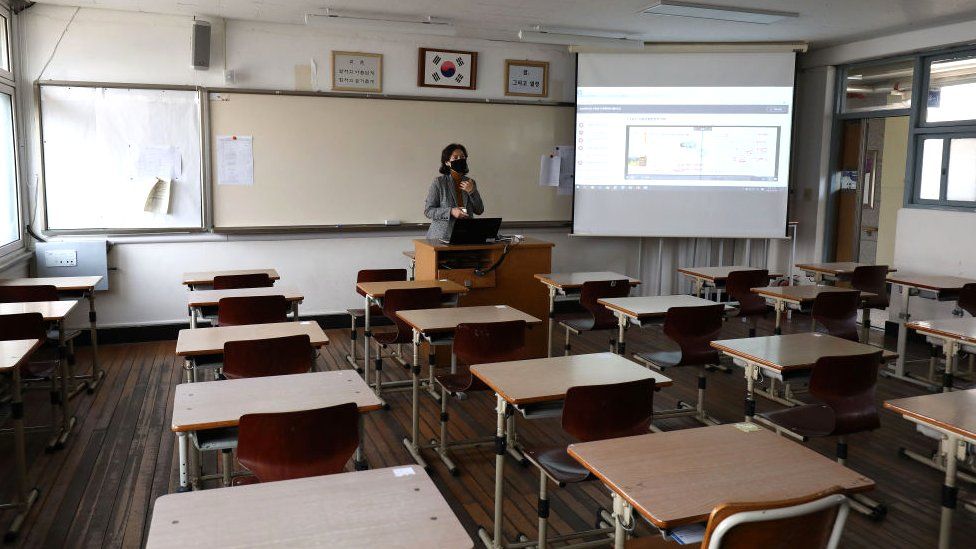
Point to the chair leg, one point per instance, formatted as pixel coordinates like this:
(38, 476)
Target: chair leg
(378, 368)
(566, 346)
(934, 354)
(543, 510)
(613, 345)
(752, 328)
(859, 502)
(442, 448)
(227, 466)
(701, 415)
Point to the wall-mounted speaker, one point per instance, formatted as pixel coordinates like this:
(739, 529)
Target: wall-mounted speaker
(200, 45)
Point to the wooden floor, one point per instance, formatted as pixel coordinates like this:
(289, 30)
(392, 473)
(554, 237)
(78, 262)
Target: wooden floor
(99, 491)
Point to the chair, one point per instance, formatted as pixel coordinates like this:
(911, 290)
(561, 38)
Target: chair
(33, 294)
(375, 312)
(594, 316)
(250, 280)
(692, 328)
(476, 343)
(967, 298)
(261, 309)
(268, 357)
(810, 522)
(837, 312)
(289, 445)
(401, 300)
(751, 306)
(871, 279)
(593, 412)
(32, 326)
(844, 387)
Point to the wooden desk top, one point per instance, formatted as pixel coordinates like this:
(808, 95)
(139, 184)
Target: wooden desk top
(652, 306)
(573, 281)
(528, 242)
(209, 298)
(62, 283)
(378, 289)
(208, 341)
(954, 411)
(677, 477)
(14, 352)
(392, 507)
(937, 283)
(213, 404)
(802, 294)
(714, 274)
(446, 319)
(839, 268)
(963, 329)
(52, 310)
(547, 379)
(793, 351)
(207, 277)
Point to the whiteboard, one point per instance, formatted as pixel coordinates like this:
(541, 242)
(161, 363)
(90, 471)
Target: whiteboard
(326, 160)
(96, 144)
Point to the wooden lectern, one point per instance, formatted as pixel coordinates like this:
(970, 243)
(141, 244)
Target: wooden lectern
(510, 283)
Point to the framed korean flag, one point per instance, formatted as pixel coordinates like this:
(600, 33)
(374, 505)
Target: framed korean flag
(447, 69)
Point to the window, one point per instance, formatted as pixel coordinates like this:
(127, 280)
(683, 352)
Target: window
(947, 172)
(952, 87)
(9, 205)
(878, 87)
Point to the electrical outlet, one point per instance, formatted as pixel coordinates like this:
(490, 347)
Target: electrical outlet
(61, 258)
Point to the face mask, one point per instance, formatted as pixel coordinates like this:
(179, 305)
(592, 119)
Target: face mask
(460, 165)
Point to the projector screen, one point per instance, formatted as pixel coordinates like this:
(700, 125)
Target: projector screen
(683, 144)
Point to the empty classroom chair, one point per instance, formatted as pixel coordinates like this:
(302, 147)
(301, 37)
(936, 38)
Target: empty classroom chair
(250, 280)
(268, 357)
(375, 312)
(32, 326)
(262, 309)
(401, 300)
(837, 313)
(594, 316)
(32, 294)
(751, 306)
(871, 279)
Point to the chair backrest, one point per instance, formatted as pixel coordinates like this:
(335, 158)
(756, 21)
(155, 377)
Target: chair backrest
(837, 312)
(379, 275)
(873, 279)
(485, 342)
(308, 443)
(408, 299)
(259, 309)
(811, 522)
(847, 385)
(692, 328)
(250, 280)
(598, 412)
(24, 294)
(23, 326)
(594, 290)
(739, 286)
(967, 298)
(268, 357)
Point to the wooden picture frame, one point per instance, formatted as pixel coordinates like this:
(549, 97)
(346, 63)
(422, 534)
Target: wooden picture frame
(345, 78)
(533, 80)
(452, 69)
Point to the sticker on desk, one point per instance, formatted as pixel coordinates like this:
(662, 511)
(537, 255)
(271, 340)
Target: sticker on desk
(501, 306)
(403, 471)
(305, 322)
(747, 427)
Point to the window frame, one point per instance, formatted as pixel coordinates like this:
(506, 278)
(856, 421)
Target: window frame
(841, 98)
(8, 86)
(19, 243)
(927, 62)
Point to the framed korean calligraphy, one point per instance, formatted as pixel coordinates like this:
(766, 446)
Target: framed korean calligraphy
(526, 78)
(447, 69)
(357, 71)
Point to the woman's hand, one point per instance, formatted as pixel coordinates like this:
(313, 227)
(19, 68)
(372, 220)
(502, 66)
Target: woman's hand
(458, 213)
(468, 185)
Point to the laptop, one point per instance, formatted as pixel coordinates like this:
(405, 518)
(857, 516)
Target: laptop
(474, 230)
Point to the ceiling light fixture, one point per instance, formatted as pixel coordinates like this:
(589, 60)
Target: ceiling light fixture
(379, 22)
(678, 8)
(573, 37)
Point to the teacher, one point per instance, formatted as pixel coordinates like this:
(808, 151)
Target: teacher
(452, 195)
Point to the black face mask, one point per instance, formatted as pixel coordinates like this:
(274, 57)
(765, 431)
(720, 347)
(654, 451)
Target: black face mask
(460, 165)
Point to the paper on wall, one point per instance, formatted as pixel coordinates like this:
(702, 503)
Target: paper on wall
(549, 171)
(151, 161)
(158, 199)
(567, 159)
(235, 160)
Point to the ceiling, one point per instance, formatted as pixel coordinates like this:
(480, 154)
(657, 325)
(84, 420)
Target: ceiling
(821, 22)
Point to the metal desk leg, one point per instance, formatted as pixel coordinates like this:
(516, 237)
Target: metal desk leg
(949, 491)
(183, 448)
(779, 307)
(623, 520)
(193, 318)
(353, 357)
(621, 329)
(951, 349)
(97, 374)
(495, 541)
(903, 317)
(26, 496)
(752, 372)
(411, 444)
(67, 420)
(366, 336)
(294, 310)
(358, 460)
(552, 322)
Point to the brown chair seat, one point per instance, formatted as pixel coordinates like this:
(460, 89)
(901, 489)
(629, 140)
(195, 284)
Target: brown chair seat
(811, 420)
(558, 465)
(662, 359)
(569, 316)
(581, 323)
(460, 382)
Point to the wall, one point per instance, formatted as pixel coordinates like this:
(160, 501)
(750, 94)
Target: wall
(892, 186)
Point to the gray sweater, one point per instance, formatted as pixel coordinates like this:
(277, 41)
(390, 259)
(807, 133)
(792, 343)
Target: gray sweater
(440, 200)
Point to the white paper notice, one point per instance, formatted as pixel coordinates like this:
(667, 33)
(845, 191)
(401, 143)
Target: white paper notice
(157, 201)
(549, 171)
(152, 161)
(567, 159)
(235, 160)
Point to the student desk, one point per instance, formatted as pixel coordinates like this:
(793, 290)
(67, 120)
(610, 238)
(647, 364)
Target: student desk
(953, 415)
(842, 270)
(216, 404)
(641, 310)
(941, 288)
(196, 280)
(954, 333)
(74, 286)
(572, 283)
(391, 507)
(800, 297)
(193, 343)
(12, 355)
(53, 312)
(374, 292)
(525, 384)
(210, 298)
(715, 277)
(783, 357)
(437, 326)
(676, 478)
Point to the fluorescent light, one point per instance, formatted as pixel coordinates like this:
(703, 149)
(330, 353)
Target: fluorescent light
(721, 13)
(377, 22)
(566, 39)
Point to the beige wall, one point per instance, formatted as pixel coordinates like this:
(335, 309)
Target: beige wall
(894, 157)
